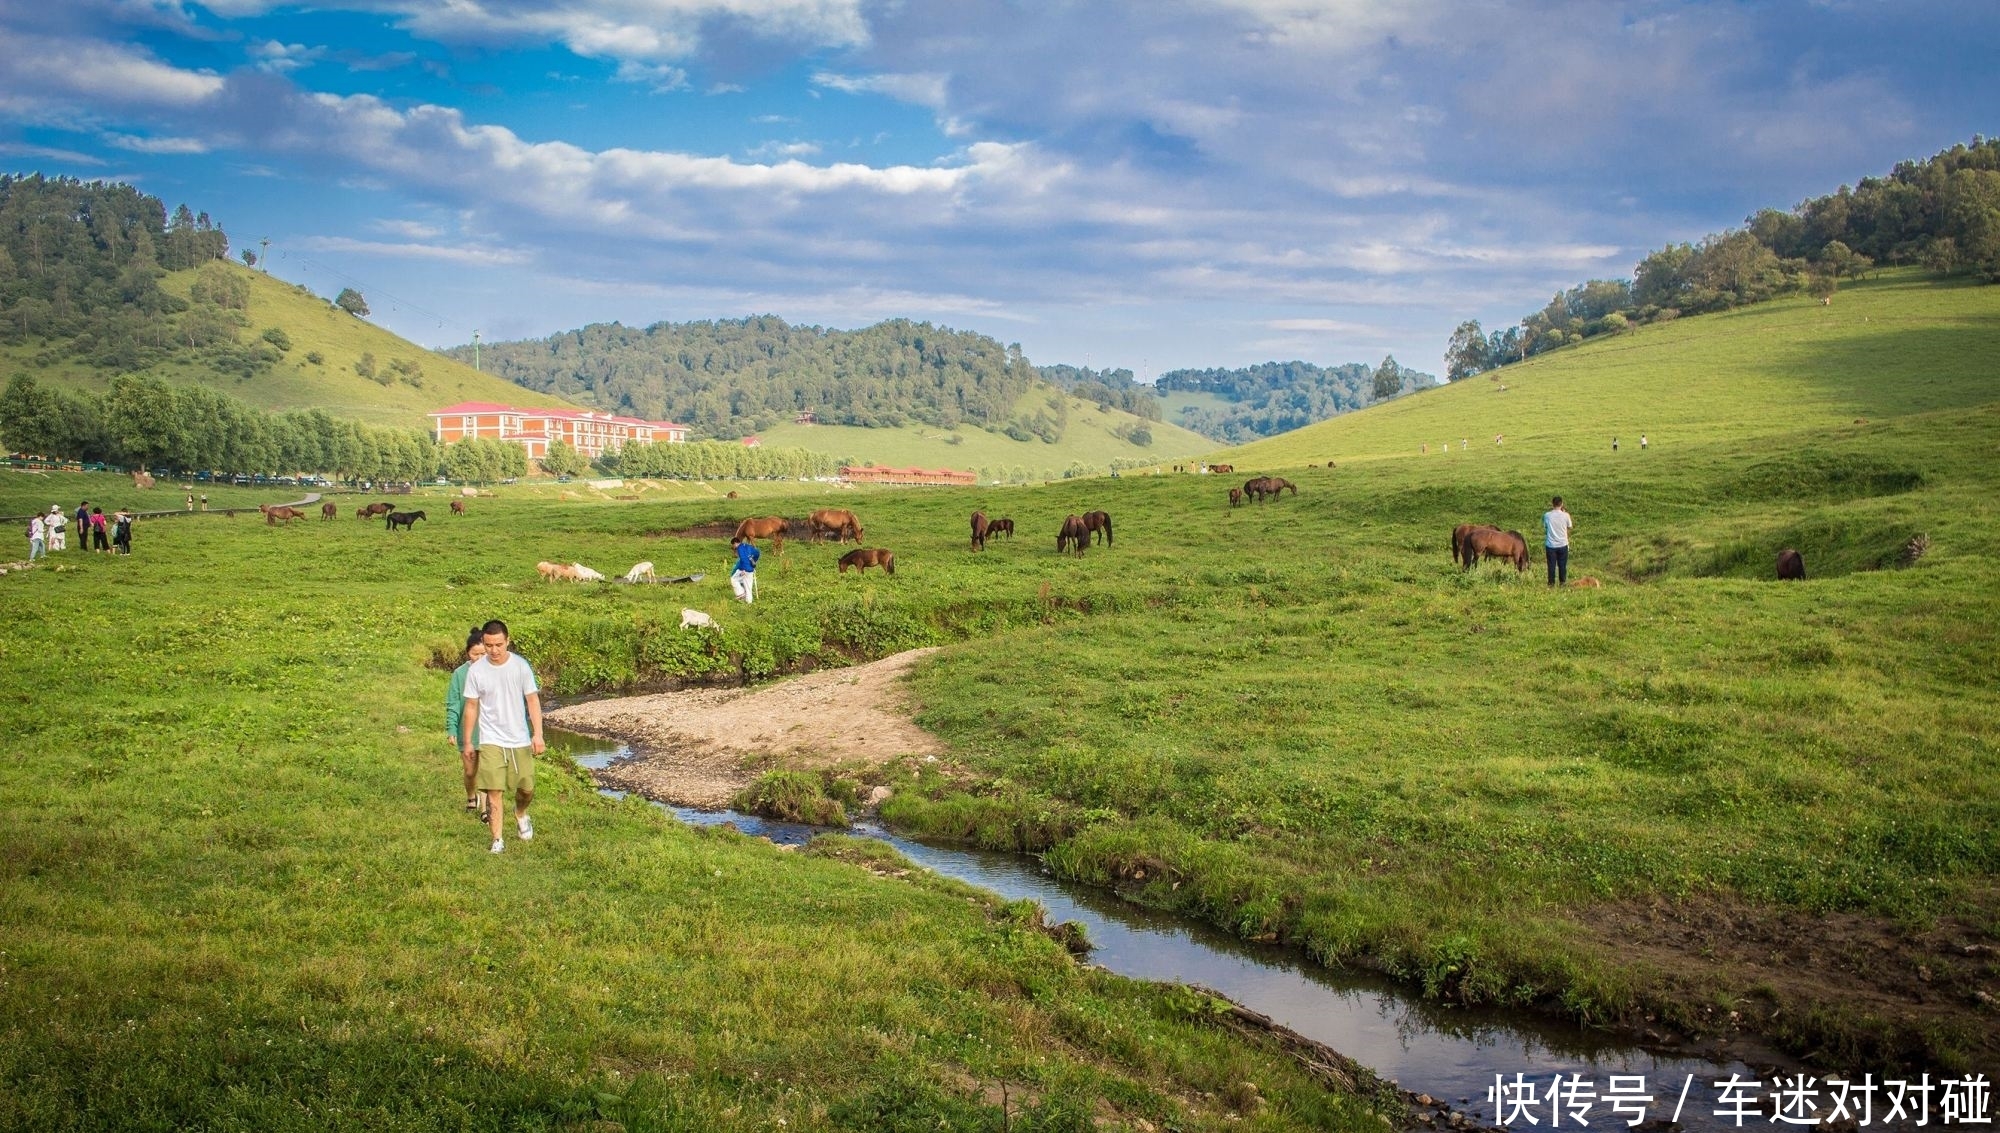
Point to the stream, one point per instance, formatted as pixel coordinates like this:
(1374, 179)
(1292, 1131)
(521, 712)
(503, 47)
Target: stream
(1453, 1053)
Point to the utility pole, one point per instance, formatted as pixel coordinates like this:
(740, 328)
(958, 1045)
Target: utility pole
(475, 350)
(265, 259)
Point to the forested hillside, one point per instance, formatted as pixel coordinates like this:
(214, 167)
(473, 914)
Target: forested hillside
(1277, 397)
(734, 377)
(1942, 212)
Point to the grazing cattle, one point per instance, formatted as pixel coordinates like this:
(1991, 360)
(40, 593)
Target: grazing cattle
(1791, 566)
(328, 510)
(640, 572)
(695, 619)
(458, 507)
(867, 557)
(1001, 526)
(1073, 536)
(404, 520)
(1100, 522)
(274, 513)
(584, 574)
(979, 529)
(837, 521)
(1458, 535)
(1235, 497)
(556, 572)
(1494, 544)
(770, 527)
(1586, 582)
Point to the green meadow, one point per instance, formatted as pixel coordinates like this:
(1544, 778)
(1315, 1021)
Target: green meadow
(238, 889)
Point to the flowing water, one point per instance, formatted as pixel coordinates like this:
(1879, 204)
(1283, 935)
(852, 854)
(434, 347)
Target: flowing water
(1454, 1054)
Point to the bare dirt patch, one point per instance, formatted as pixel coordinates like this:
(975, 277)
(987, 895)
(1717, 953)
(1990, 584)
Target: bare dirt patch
(1855, 989)
(699, 748)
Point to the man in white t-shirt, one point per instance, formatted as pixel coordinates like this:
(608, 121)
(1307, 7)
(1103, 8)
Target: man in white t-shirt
(504, 703)
(1555, 540)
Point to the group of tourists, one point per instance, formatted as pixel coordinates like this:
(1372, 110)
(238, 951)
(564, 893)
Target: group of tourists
(94, 531)
(493, 715)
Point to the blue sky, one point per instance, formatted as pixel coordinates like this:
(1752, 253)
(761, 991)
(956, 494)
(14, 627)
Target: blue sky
(1150, 185)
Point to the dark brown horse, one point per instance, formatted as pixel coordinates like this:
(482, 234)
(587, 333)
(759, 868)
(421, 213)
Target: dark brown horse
(1073, 536)
(1791, 566)
(867, 557)
(404, 520)
(1100, 522)
(1277, 485)
(458, 507)
(1458, 535)
(1494, 544)
(770, 527)
(375, 509)
(835, 521)
(979, 530)
(1001, 526)
(1257, 487)
(1235, 497)
(328, 510)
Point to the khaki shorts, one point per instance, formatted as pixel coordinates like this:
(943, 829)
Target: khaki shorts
(505, 768)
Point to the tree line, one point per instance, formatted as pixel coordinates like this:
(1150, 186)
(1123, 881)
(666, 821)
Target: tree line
(1277, 397)
(1942, 212)
(730, 378)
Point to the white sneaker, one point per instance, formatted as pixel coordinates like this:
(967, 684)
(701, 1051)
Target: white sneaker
(527, 829)
(498, 845)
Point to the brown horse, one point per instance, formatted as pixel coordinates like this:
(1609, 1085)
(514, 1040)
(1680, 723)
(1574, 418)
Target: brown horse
(1791, 566)
(979, 529)
(1276, 485)
(867, 557)
(1001, 526)
(1494, 544)
(274, 513)
(404, 520)
(1235, 497)
(1257, 487)
(1074, 535)
(375, 509)
(1458, 535)
(328, 510)
(1100, 522)
(836, 521)
(1223, 468)
(458, 507)
(770, 527)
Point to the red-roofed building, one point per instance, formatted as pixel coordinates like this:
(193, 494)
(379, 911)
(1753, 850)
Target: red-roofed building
(879, 474)
(591, 433)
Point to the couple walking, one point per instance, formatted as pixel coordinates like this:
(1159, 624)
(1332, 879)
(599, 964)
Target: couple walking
(493, 713)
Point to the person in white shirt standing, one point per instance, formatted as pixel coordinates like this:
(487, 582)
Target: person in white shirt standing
(504, 703)
(1555, 541)
(36, 536)
(55, 523)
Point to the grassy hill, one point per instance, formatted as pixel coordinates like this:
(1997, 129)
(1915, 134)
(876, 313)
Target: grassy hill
(313, 326)
(1092, 439)
(1905, 342)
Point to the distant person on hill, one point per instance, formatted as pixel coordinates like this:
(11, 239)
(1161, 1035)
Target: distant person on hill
(1642, 442)
(190, 501)
(503, 710)
(37, 538)
(55, 524)
(743, 579)
(1614, 444)
(1556, 524)
(204, 501)
(100, 536)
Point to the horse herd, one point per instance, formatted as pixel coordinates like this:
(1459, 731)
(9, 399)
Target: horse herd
(275, 514)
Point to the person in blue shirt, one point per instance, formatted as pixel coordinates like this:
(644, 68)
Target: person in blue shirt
(744, 579)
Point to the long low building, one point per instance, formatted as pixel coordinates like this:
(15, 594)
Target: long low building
(878, 474)
(590, 433)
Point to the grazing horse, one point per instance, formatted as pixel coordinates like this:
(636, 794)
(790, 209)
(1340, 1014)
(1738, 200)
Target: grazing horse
(1256, 487)
(458, 507)
(1100, 522)
(838, 521)
(1276, 485)
(1222, 468)
(1073, 536)
(764, 527)
(363, 513)
(404, 520)
(375, 509)
(273, 513)
(867, 557)
(328, 510)
(1495, 544)
(1001, 526)
(1235, 497)
(1791, 566)
(979, 529)
(1458, 535)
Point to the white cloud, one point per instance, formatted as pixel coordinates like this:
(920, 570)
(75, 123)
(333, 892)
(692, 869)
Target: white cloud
(408, 229)
(661, 78)
(157, 145)
(474, 256)
(103, 73)
(784, 149)
(49, 153)
(278, 58)
(638, 30)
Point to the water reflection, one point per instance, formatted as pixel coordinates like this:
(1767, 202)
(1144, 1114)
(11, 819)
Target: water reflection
(1450, 1053)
